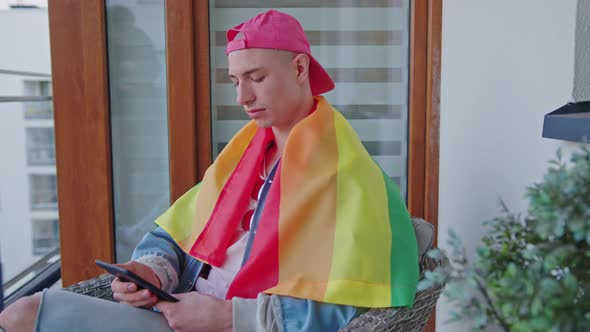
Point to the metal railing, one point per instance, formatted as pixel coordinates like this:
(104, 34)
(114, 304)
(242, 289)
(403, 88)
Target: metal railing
(43, 274)
(22, 73)
(15, 99)
(11, 99)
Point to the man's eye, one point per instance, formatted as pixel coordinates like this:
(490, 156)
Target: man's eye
(258, 79)
(235, 84)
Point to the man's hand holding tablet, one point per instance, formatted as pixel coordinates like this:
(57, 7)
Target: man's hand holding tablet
(136, 284)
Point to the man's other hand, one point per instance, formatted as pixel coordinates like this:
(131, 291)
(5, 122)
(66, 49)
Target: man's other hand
(129, 293)
(196, 312)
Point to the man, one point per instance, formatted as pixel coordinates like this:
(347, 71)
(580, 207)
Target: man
(294, 227)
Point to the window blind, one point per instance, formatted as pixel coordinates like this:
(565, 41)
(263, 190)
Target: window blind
(363, 45)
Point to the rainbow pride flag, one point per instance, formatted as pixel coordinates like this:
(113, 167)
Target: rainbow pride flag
(334, 228)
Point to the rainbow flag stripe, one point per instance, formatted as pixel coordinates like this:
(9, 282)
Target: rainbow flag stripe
(334, 227)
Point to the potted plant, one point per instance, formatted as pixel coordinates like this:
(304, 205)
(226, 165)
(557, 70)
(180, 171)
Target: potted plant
(531, 273)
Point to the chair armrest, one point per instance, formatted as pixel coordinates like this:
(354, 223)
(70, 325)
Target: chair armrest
(99, 287)
(403, 319)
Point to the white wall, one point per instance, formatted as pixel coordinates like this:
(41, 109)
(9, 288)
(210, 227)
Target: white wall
(24, 44)
(505, 64)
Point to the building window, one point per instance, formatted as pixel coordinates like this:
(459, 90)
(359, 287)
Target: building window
(38, 109)
(43, 191)
(45, 235)
(40, 146)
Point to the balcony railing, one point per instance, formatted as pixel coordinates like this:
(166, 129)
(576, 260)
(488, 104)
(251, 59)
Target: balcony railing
(43, 274)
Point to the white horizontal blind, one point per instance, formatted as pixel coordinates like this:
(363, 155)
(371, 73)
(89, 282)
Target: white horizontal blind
(364, 45)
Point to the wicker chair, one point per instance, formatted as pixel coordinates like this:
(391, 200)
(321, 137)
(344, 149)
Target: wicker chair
(375, 320)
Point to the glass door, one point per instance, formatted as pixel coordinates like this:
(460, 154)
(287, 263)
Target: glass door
(136, 43)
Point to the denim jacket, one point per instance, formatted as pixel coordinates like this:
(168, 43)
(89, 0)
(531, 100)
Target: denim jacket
(295, 314)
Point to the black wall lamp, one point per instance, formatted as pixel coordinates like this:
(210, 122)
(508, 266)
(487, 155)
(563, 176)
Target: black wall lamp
(570, 122)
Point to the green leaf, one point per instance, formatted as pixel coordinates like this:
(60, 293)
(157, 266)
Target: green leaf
(424, 284)
(435, 253)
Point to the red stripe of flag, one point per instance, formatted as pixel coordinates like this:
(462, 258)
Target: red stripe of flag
(261, 271)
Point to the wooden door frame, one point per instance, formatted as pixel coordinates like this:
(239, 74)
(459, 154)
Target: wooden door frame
(424, 133)
(189, 115)
(82, 136)
(424, 114)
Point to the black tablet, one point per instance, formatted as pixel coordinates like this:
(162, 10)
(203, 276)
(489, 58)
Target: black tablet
(127, 275)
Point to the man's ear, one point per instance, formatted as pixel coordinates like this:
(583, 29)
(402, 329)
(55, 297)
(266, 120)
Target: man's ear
(301, 62)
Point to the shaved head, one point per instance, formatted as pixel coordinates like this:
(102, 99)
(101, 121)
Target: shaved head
(272, 85)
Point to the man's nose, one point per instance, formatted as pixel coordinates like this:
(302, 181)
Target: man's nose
(245, 94)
